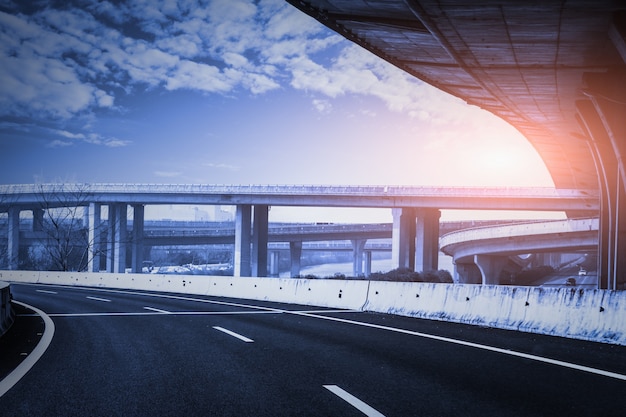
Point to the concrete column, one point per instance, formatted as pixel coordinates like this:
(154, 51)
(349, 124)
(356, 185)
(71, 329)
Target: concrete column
(295, 252)
(13, 238)
(121, 239)
(467, 273)
(403, 238)
(427, 240)
(357, 256)
(490, 267)
(259, 240)
(137, 241)
(94, 212)
(274, 259)
(243, 227)
(38, 220)
(367, 267)
(111, 237)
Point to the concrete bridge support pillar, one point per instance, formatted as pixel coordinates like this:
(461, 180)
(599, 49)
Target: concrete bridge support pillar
(295, 253)
(427, 240)
(367, 267)
(490, 267)
(274, 259)
(357, 256)
(403, 238)
(415, 239)
(259, 240)
(120, 238)
(601, 116)
(467, 273)
(13, 238)
(94, 213)
(38, 220)
(243, 233)
(137, 240)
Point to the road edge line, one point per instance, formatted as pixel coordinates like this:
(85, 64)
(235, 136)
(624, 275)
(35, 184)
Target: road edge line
(18, 373)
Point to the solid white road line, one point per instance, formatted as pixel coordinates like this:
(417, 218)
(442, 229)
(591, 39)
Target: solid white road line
(11, 379)
(233, 334)
(353, 401)
(158, 310)
(99, 299)
(47, 292)
(473, 345)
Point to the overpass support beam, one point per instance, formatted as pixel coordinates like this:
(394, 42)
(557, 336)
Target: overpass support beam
(427, 240)
(295, 254)
(137, 240)
(259, 240)
(358, 245)
(415, 239)
(274, 260)
(121, 238)
(403, 238)
(38, 220)
(243, 233)
(602, 118)
(94, 239)
(490, 267)
(13, 238)
(467, 273)
(367, 267)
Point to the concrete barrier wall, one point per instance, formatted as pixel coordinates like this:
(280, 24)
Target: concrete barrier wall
(6, 312)
(597, 315)
(324, 293)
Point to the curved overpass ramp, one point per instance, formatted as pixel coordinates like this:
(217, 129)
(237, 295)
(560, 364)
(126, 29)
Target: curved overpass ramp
(489, 247)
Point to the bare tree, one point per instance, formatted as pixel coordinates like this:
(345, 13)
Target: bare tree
(59, 219)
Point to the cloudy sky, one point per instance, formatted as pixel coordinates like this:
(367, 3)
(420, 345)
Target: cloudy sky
(228, 92)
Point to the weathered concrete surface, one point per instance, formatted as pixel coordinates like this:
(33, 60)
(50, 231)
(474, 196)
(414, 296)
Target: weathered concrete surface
(6, 312)
(596, 315)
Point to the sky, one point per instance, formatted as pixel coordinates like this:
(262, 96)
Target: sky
(228, 92)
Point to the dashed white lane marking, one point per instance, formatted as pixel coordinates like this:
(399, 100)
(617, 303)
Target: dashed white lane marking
(353, 401)
(233, 334)
(99, 299)
(11, 379)
(47, 292)
(158, 310)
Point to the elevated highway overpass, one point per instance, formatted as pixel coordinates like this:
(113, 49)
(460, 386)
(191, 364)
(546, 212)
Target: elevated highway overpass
(555, 70)
(414, 232)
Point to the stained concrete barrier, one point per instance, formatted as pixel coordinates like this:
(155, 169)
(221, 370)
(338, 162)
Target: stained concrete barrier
(596, 315)
(6, 311)
(346, 294)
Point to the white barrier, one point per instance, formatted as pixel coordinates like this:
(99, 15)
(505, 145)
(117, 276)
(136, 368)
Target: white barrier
(324, 293)
(596, 315)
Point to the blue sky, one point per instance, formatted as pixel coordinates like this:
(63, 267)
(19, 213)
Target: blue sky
(228, 92)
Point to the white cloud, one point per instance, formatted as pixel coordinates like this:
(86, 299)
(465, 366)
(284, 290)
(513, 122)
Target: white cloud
(167, 174)
(64, 63)
(322, 106)
(228, 167)
(59, 144)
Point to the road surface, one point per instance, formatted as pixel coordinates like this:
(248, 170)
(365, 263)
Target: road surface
(131, 353)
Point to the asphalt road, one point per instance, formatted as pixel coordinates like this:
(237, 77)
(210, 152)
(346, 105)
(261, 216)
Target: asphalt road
(129, 353)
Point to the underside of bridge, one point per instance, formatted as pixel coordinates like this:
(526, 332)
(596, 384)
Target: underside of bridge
(555, 70)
